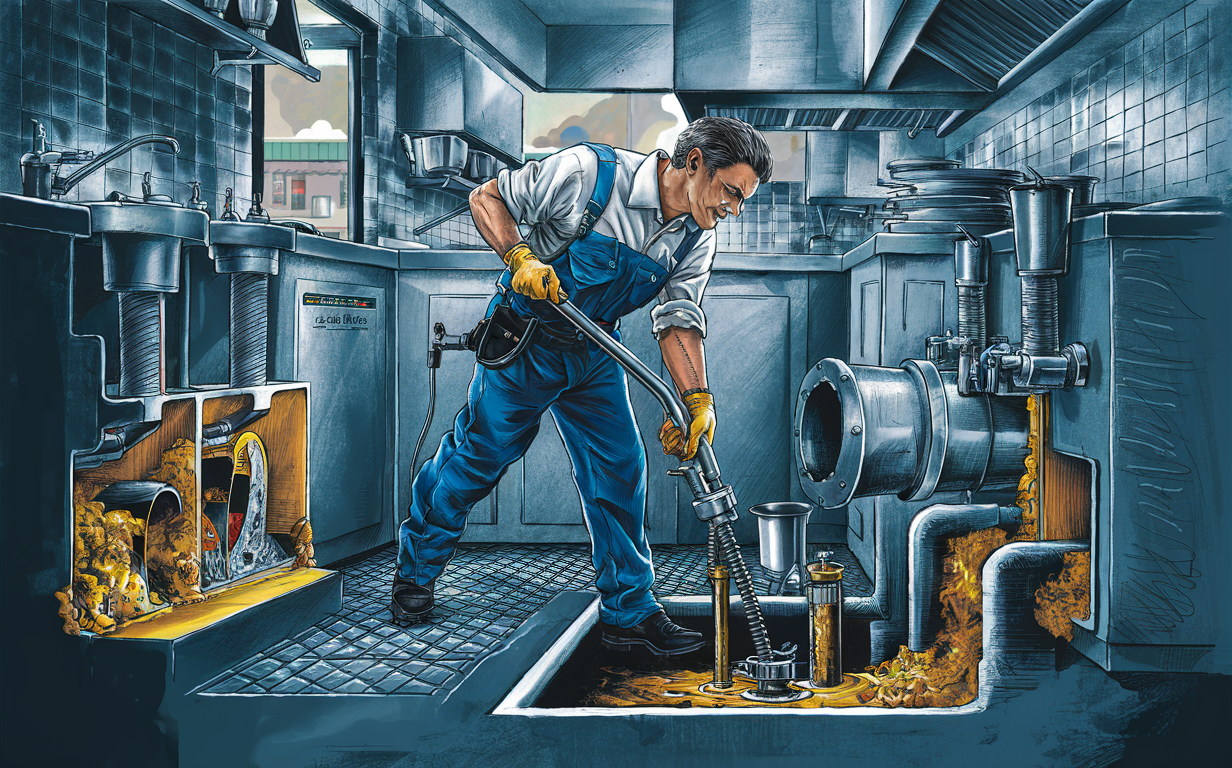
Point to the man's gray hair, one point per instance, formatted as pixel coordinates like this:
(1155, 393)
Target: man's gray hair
(724, 142)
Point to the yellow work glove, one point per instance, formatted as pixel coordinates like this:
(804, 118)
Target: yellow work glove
(702, 422)
(532, 277)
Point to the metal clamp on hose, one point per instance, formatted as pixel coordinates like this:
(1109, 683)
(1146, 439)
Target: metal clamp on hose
(718, 506)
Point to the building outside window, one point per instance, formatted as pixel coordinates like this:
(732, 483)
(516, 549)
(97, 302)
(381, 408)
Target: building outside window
(308, 130)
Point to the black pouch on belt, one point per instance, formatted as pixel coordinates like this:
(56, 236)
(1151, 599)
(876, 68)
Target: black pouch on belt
(502, 336)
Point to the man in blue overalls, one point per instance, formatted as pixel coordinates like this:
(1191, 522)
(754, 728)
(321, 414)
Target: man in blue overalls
(611, 230)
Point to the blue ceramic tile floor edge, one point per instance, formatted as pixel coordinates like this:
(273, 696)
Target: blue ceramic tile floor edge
(486, 593)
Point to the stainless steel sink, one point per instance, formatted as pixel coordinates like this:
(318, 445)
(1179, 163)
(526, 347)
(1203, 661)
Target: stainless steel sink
(141, 242)
(245, 246)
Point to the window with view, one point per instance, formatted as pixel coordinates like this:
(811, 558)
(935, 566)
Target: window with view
(308, 129)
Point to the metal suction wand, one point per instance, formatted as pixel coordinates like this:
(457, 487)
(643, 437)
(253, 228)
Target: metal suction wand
(713, 500)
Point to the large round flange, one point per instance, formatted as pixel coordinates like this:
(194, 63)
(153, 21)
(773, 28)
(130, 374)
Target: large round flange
(829, 428)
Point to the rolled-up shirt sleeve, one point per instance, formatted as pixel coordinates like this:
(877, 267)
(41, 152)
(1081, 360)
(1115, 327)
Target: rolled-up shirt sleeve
(680, 301)
(549, 196)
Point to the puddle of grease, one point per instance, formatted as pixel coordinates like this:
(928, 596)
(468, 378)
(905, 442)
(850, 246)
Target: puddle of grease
(623, 687)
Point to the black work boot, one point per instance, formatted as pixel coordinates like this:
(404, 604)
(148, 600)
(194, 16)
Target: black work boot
(659, 634)
(411, 603)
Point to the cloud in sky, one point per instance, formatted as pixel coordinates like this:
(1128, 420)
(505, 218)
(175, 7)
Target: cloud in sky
(321, 130)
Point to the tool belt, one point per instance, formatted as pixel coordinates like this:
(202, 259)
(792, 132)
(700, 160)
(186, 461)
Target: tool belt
(502, 336)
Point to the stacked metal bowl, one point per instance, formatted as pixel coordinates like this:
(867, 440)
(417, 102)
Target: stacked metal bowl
(934, 194)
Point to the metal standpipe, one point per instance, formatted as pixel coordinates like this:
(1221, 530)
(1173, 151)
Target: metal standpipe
(713, 500)
(140, 268)
(930, 529)
(1042, 213)
(250, 267)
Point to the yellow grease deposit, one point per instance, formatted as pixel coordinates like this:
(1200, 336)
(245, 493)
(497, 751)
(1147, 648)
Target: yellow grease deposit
(172, 546)
(946, 674)
(215, 494)
(107, 589)
(620, 687)
(1065, 596)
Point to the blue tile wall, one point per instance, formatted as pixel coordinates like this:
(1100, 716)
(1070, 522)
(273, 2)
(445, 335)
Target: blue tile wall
(96, 75)
(777, 220)
(1151, 119)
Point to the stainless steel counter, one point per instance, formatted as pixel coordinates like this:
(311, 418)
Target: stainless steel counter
(45, 215)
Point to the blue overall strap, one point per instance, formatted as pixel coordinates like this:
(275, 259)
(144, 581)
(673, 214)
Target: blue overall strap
(604, 182)
(686, 245)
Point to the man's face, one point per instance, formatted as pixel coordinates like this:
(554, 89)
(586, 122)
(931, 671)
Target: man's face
(712, 198)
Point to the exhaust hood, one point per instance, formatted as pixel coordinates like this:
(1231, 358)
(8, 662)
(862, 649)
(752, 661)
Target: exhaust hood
(445, 89)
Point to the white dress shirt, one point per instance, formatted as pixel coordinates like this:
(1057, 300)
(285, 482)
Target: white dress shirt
(549, 197)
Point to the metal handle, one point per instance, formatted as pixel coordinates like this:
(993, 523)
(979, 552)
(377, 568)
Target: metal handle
(638, 370)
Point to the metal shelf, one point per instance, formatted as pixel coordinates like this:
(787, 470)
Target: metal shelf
(453, 184)
(232, 45)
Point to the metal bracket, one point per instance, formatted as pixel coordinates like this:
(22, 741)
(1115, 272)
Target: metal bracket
(236, 59)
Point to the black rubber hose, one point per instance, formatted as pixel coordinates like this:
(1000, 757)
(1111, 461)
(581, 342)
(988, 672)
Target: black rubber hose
(744, 583)
(423, 433)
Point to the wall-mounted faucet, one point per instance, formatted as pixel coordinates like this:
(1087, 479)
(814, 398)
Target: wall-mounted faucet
(40, 166)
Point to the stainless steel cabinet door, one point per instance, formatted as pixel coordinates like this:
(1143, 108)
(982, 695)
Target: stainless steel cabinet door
(340, 349)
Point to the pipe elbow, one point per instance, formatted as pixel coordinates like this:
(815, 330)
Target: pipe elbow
(942, 519)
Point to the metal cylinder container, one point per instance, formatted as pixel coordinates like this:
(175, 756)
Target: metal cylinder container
(825, 602)
(136, 261)
(141, 343)
(1042, 212)
(870, 431)
(1083, 187)
(249, 329)
(781, 529)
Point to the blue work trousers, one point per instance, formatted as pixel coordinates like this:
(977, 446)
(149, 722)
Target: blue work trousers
(586, 392)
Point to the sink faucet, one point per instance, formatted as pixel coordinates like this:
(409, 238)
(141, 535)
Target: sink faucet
(61, 186)
(38, 164)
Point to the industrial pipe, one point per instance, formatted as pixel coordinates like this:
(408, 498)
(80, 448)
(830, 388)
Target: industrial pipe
(141, 343)
(1014, 644)
(871, 431)
(720, 603)
(249, 329)
(971, 279)
(929, 529)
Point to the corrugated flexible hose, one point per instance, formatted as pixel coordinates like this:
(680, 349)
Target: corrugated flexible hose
(249, 329)
(140, 343)
(744, 584)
